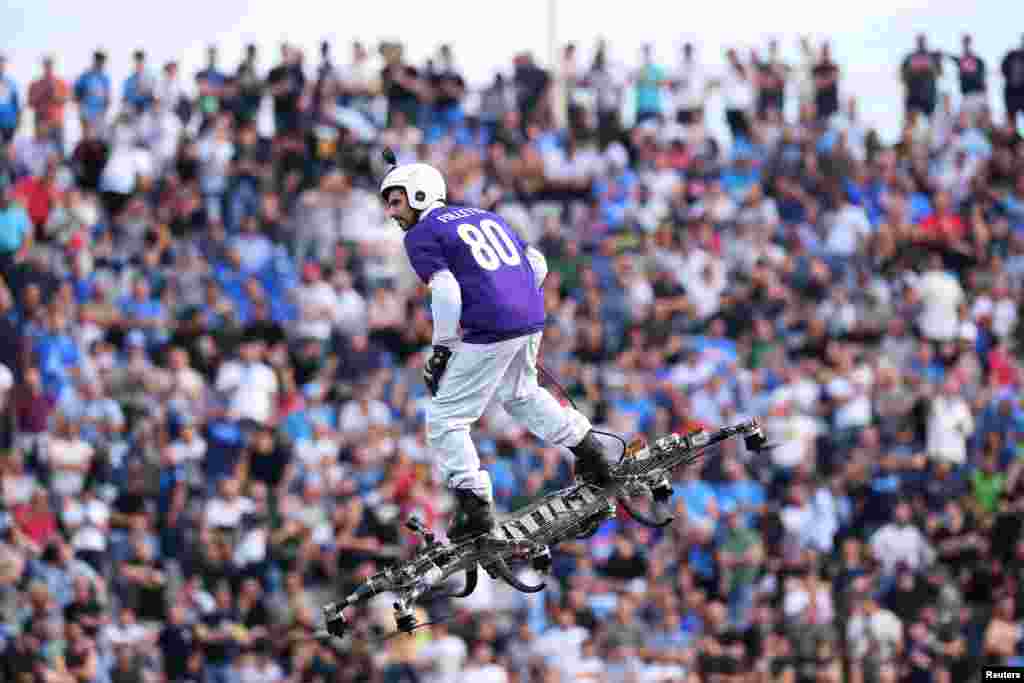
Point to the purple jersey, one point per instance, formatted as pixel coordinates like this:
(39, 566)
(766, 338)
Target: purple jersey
(500, 297)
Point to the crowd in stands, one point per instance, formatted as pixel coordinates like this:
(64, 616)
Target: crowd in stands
(211, 347)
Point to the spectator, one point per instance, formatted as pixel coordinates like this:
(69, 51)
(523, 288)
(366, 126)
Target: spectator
(212, 83)
(449, 89)
(286, 83)
(876, 639)
(533, 88)
(1013, 86)
(608, 83)
(93, 93)
(826, 75)
(901, 542)
(16, 234)
(40, 194)
(10, 104)
(739, 93)
(47, 97)
(973, 74)
(950, 423)
(941, 295)
(249, 384)
(920, 73)
(649, 81)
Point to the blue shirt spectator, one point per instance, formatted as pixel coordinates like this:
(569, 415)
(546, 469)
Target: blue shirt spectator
(93, 91)
(10, 102)
(140, 88)
(15, 225)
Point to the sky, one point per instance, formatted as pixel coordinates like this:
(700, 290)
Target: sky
(869, 37)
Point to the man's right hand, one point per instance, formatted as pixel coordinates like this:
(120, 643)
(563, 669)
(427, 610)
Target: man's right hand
(435, 367)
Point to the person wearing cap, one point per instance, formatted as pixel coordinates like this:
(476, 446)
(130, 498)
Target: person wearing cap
(10, 104)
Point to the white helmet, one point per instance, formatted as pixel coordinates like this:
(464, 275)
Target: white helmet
(423, 184)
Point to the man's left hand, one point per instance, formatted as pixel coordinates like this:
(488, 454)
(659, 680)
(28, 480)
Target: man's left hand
(435, 367)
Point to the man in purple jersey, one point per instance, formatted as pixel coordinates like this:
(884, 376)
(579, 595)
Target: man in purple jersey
(483, 275)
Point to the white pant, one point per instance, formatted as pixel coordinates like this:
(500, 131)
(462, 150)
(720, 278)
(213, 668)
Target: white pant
(474, 373)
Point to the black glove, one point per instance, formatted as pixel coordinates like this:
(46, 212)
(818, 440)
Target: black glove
(435, 367)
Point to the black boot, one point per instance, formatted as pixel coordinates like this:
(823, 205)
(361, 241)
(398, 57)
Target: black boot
(591, 465)
(473, 516)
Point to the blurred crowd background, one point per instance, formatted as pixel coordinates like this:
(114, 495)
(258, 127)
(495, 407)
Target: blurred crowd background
(211, 346)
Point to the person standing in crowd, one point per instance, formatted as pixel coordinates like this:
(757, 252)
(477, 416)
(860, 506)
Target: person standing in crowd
(1013, 83)
(649, 83)
(16, 232)
(973, 73)
(46, 97)
(10, 104)
(826, 84)
(920, 74)
(93, 93)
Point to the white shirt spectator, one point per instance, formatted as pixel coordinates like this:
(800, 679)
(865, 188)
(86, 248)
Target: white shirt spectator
(350, 311)
(850, 226)
(252, 389)
(215, 156)
(814, 523)
(795, 435)
(411, 445)
(855, 391)
(310, 514)
(692, 89)
(896, 544)
(561, 645)
(128, 634)
(882, 629)
(486, 673)
(705, 290)
(187, 385)
(693, 372)
(1003, 312)
(444, 658)
(957, 179)
(798, 598)
(803, 391)
(737, 92)
(313, 452)
(6, 379)
(193, 450)
(126, 164)
(252, 549)
(657, 672)
(223, 513)
(950, 423)
(160, 131)
(640, 294)
(941, 295)
(355, 419)
(89, 522)
(253, 671)
(16, 489)
(318, 304)
(68, 459)
(170, 90)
